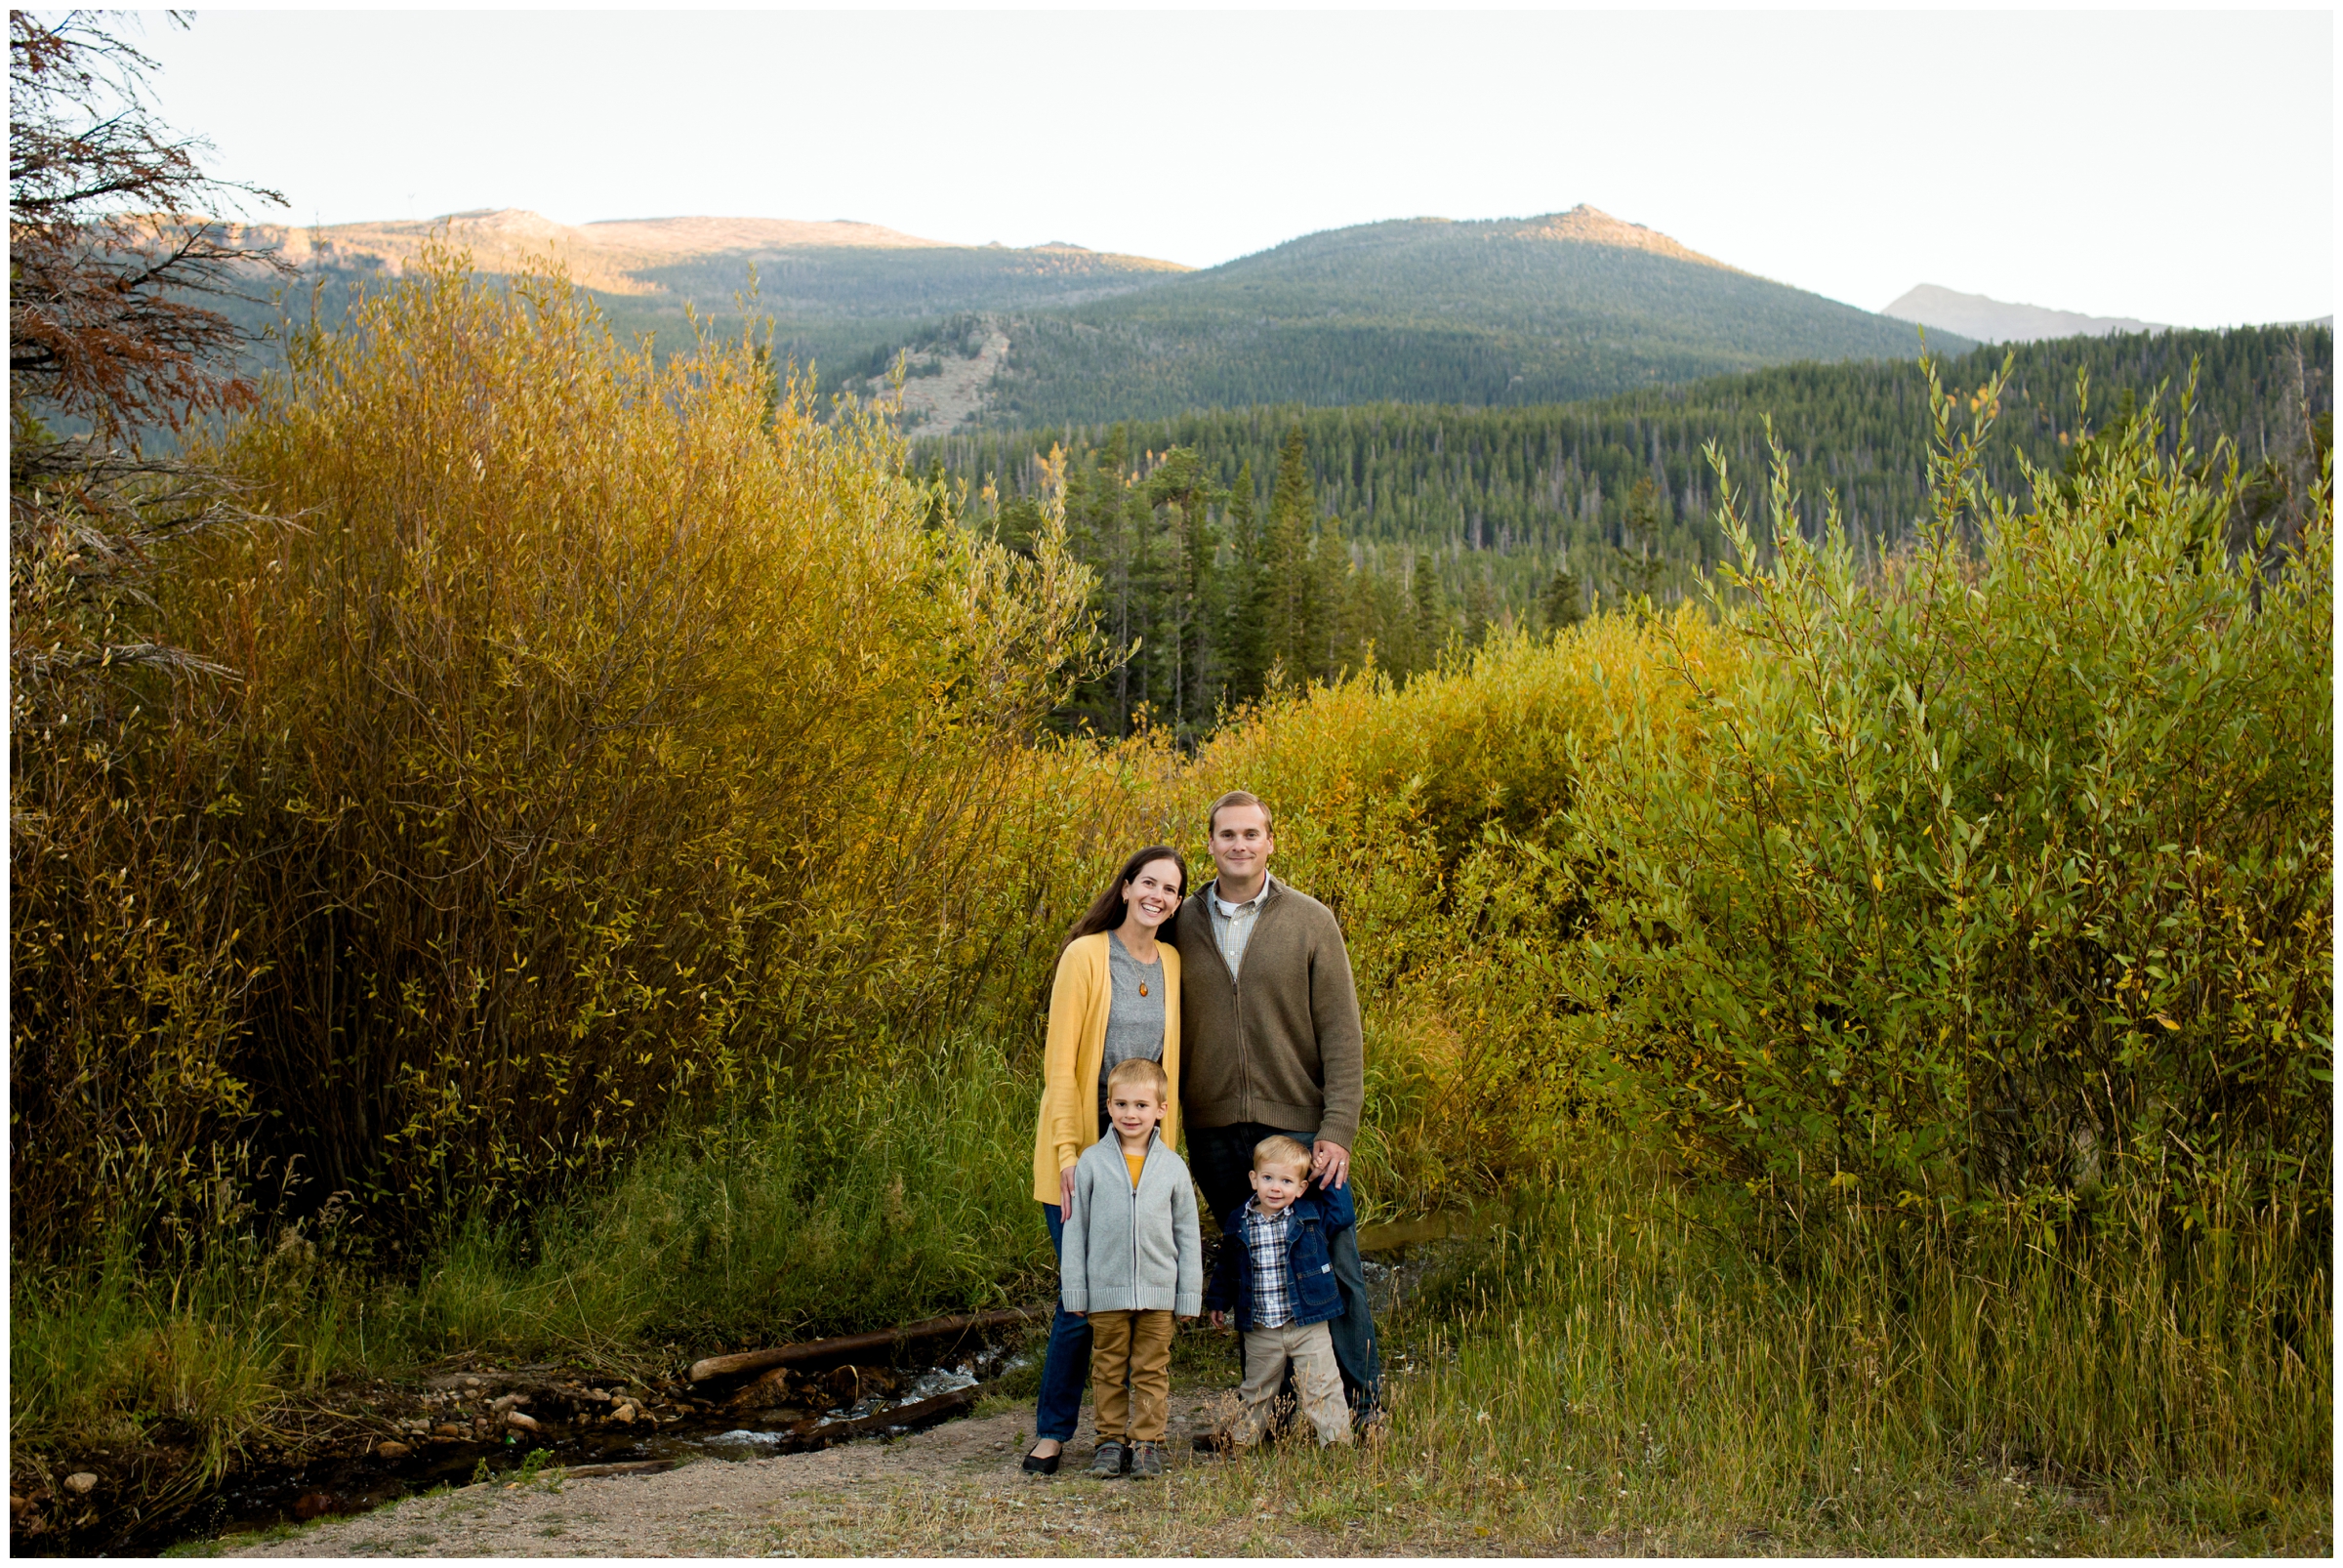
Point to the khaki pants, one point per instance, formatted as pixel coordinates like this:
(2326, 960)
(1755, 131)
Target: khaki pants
(1137, 1346)
(1317, 1382)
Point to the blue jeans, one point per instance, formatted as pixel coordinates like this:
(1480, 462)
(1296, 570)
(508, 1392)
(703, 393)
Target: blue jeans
(1220, 1158)
(1067, 1364)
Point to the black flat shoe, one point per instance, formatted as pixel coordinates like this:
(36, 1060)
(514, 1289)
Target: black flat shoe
(1036, 1465)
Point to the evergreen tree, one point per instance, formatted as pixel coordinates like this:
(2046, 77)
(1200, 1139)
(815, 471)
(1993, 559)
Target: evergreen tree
(1431, 612)
(1332, 638)
(1150, 584)
(1098, 528)
(1479, 608)
(1545, 484)
(1642, 553)
(1286, 581)
(1365, 616)
(1562, 601)
(1184, 490)
(1249, 639)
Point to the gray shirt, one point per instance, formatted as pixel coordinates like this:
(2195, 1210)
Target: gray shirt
(1135, 1022)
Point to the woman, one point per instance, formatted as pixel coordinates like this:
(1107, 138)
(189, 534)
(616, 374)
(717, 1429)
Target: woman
(1116, 996)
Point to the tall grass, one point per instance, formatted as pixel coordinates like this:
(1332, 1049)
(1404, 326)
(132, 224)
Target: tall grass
(181, 1363)
(1635, 1357)
(868, 1198)
(871, 1200)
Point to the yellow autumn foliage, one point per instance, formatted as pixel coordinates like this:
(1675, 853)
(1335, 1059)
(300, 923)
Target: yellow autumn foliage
(611, 739)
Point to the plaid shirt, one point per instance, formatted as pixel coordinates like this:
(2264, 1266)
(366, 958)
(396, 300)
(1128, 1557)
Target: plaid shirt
(1269, 1243)
(1232, 924)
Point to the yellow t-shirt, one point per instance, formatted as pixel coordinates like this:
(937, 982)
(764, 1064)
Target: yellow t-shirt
(1134, 1161)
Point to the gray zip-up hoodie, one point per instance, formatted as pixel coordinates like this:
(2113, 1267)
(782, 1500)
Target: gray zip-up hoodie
(1127, 1250)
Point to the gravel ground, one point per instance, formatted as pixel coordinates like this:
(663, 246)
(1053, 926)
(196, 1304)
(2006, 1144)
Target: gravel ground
(953, 1490)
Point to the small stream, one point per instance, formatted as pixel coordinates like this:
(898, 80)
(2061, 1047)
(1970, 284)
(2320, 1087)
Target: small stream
(442, 1431)
(579, 1425)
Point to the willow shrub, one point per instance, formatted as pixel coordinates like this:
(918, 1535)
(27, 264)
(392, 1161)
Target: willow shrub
(1405, 809)
(611, 742)
(1993, 872)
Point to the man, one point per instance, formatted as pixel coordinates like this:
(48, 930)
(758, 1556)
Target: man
(1272, 1045)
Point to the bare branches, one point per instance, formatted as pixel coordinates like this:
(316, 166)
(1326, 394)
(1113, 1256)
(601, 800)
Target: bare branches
(87, 522)
(114, 239)
(114, 233)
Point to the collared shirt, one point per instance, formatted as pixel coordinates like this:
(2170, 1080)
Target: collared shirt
(1232, 924)
(1268, 1243)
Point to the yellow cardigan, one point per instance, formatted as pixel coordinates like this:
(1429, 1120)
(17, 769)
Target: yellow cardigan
(1078, 1005)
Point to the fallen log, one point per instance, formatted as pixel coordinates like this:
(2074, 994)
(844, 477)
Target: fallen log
(640, 1467)
(1433, 1228)
(853, 1344)
(880, 1420)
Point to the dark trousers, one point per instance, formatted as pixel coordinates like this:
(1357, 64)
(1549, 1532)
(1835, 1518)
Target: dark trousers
(1067, 1364)
(1220, 1158)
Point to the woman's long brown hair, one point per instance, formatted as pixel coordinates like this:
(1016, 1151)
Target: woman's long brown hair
(1106, 910)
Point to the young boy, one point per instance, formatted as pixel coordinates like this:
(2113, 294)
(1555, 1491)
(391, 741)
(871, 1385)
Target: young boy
(1133, 1258)
(1277, 1279)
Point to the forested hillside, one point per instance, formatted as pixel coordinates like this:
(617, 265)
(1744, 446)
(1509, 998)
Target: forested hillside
(845, 310)
(838, 295)
(1236, 543)
(1510, 312)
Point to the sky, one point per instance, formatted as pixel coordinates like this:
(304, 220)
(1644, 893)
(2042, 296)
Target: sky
(2173, 166)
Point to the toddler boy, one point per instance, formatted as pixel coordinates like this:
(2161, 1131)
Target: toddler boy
(1133, 1258)
(1277, 1279)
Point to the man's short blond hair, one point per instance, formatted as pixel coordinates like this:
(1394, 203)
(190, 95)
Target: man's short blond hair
(1278, 1152)
(1212, 819)
(1139, 1069)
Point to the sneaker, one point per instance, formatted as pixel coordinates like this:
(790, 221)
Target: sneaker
(1110, 1458)
(1147, 1461)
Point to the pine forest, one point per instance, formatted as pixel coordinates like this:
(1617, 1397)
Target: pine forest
(1240, 550)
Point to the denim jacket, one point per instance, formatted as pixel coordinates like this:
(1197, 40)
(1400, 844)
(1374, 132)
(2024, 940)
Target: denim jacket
(1316, 1216)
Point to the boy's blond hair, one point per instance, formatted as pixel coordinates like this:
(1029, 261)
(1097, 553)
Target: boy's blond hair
(1278, 1152)
(1139, 1068)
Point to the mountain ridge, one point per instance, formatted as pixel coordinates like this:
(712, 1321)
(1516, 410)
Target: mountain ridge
(1552, 306)
(1586, 225)
(1991, 321)
(607, 254)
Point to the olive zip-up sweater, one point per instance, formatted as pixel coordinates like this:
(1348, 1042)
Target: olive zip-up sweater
(1279, 1042)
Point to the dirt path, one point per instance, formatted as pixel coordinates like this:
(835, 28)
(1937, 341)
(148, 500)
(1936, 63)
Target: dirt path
(956, 1490)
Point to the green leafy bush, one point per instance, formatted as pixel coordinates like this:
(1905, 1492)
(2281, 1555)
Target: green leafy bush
(1994, 872)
